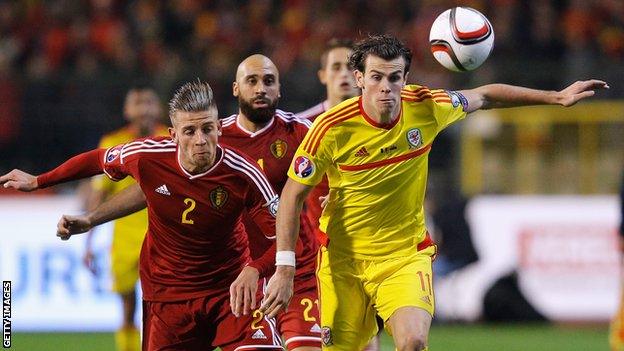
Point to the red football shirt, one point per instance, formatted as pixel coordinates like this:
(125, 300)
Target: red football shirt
(196, 243)
(312, 203)
(273, 148)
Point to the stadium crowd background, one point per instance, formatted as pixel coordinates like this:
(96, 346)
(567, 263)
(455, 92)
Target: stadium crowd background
(65, 65)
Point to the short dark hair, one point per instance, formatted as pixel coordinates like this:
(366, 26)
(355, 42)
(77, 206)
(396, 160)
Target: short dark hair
(385, 46)
(193, 96)
(332, 44)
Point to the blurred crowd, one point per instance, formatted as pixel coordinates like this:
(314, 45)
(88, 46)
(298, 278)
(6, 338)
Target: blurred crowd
(65, 64)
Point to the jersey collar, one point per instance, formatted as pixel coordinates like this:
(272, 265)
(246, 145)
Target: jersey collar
(258, 132)
(193, 176)
(372, 122)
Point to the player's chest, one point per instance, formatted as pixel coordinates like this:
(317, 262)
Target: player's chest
(195, 203)
(376, 146)
(272, 152)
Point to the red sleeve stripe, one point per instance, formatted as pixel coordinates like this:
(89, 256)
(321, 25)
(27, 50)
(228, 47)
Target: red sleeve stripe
(316, 134)
(419, 92)
(326, 128)
(240, 164)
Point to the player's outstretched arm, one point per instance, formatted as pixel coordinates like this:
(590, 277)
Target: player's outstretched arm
(124, 203)
(503, 95)
(19, 180)
(280, 287)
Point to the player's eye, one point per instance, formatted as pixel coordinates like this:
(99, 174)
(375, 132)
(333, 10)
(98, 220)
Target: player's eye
(269, 81)
(376, 77)
(395, 78)
(188, 132)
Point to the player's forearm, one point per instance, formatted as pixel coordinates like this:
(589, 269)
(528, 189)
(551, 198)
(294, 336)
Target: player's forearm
(503, 95)
(124, 203)
(80, 166)
(288, 214)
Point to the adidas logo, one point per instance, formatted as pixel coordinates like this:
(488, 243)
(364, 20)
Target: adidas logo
(258, 335)
(163, 190)
(315, 328)
(362, 152)
(426, 299)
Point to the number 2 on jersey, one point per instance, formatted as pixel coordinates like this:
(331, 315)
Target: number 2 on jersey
(191, 206)
(308, 307)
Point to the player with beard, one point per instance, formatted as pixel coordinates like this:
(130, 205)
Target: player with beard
(271, 136)
(195, 256)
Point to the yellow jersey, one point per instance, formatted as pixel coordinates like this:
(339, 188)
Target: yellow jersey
(135, 224)
(377, 173)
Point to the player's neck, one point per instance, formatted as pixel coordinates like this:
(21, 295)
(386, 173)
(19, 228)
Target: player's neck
(249, 125)
(381, 118)
(333, 101)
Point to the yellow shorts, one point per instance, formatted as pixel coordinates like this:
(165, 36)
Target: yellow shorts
(125, 251)
(352, 292)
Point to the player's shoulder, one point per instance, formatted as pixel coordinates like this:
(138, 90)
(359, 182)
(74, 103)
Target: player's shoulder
(414, 94)
(290, 118)
(339, 113)
(229, 122)
(243, 165)
(154, 147)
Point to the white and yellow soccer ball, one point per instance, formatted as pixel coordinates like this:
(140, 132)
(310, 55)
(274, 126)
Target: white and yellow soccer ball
(461, 39)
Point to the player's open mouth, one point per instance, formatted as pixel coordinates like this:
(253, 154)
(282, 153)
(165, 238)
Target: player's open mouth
(261, 103)
(345, 85)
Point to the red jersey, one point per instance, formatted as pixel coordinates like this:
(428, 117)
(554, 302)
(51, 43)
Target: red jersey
(273, 148)
(196, 243)
(312, 203)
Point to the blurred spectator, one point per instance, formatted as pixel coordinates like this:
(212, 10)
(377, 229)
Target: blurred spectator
(54, 51)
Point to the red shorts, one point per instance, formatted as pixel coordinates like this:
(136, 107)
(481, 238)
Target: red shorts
(205, 323)
(299, 326)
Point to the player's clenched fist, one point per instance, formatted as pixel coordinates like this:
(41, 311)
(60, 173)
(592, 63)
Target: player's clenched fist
(69, 225)
(279, 291)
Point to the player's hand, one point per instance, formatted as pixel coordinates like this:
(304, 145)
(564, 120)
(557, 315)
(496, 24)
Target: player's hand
(70, 225)
(580, 90)
(19, 180)
(90, 262)
(279, 291)
(243, 291)
(324, 200)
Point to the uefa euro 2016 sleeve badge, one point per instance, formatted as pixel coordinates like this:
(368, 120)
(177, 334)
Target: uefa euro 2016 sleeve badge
(303, 167)
(414, 138)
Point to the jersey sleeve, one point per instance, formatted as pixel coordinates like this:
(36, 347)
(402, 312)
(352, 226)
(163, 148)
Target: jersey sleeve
(115, 162)
(448, 107)
(261, 202)
(313, 156)
(102, 182)
(80, 166)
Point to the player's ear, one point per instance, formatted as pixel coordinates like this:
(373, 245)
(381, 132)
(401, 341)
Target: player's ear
(405, 78)
(359, 78)
(322, 76)
(235, 90)
(172, 134)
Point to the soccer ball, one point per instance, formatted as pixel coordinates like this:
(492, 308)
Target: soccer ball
(461, 39)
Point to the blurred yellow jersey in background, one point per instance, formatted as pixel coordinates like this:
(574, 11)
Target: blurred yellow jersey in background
(128, 232)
